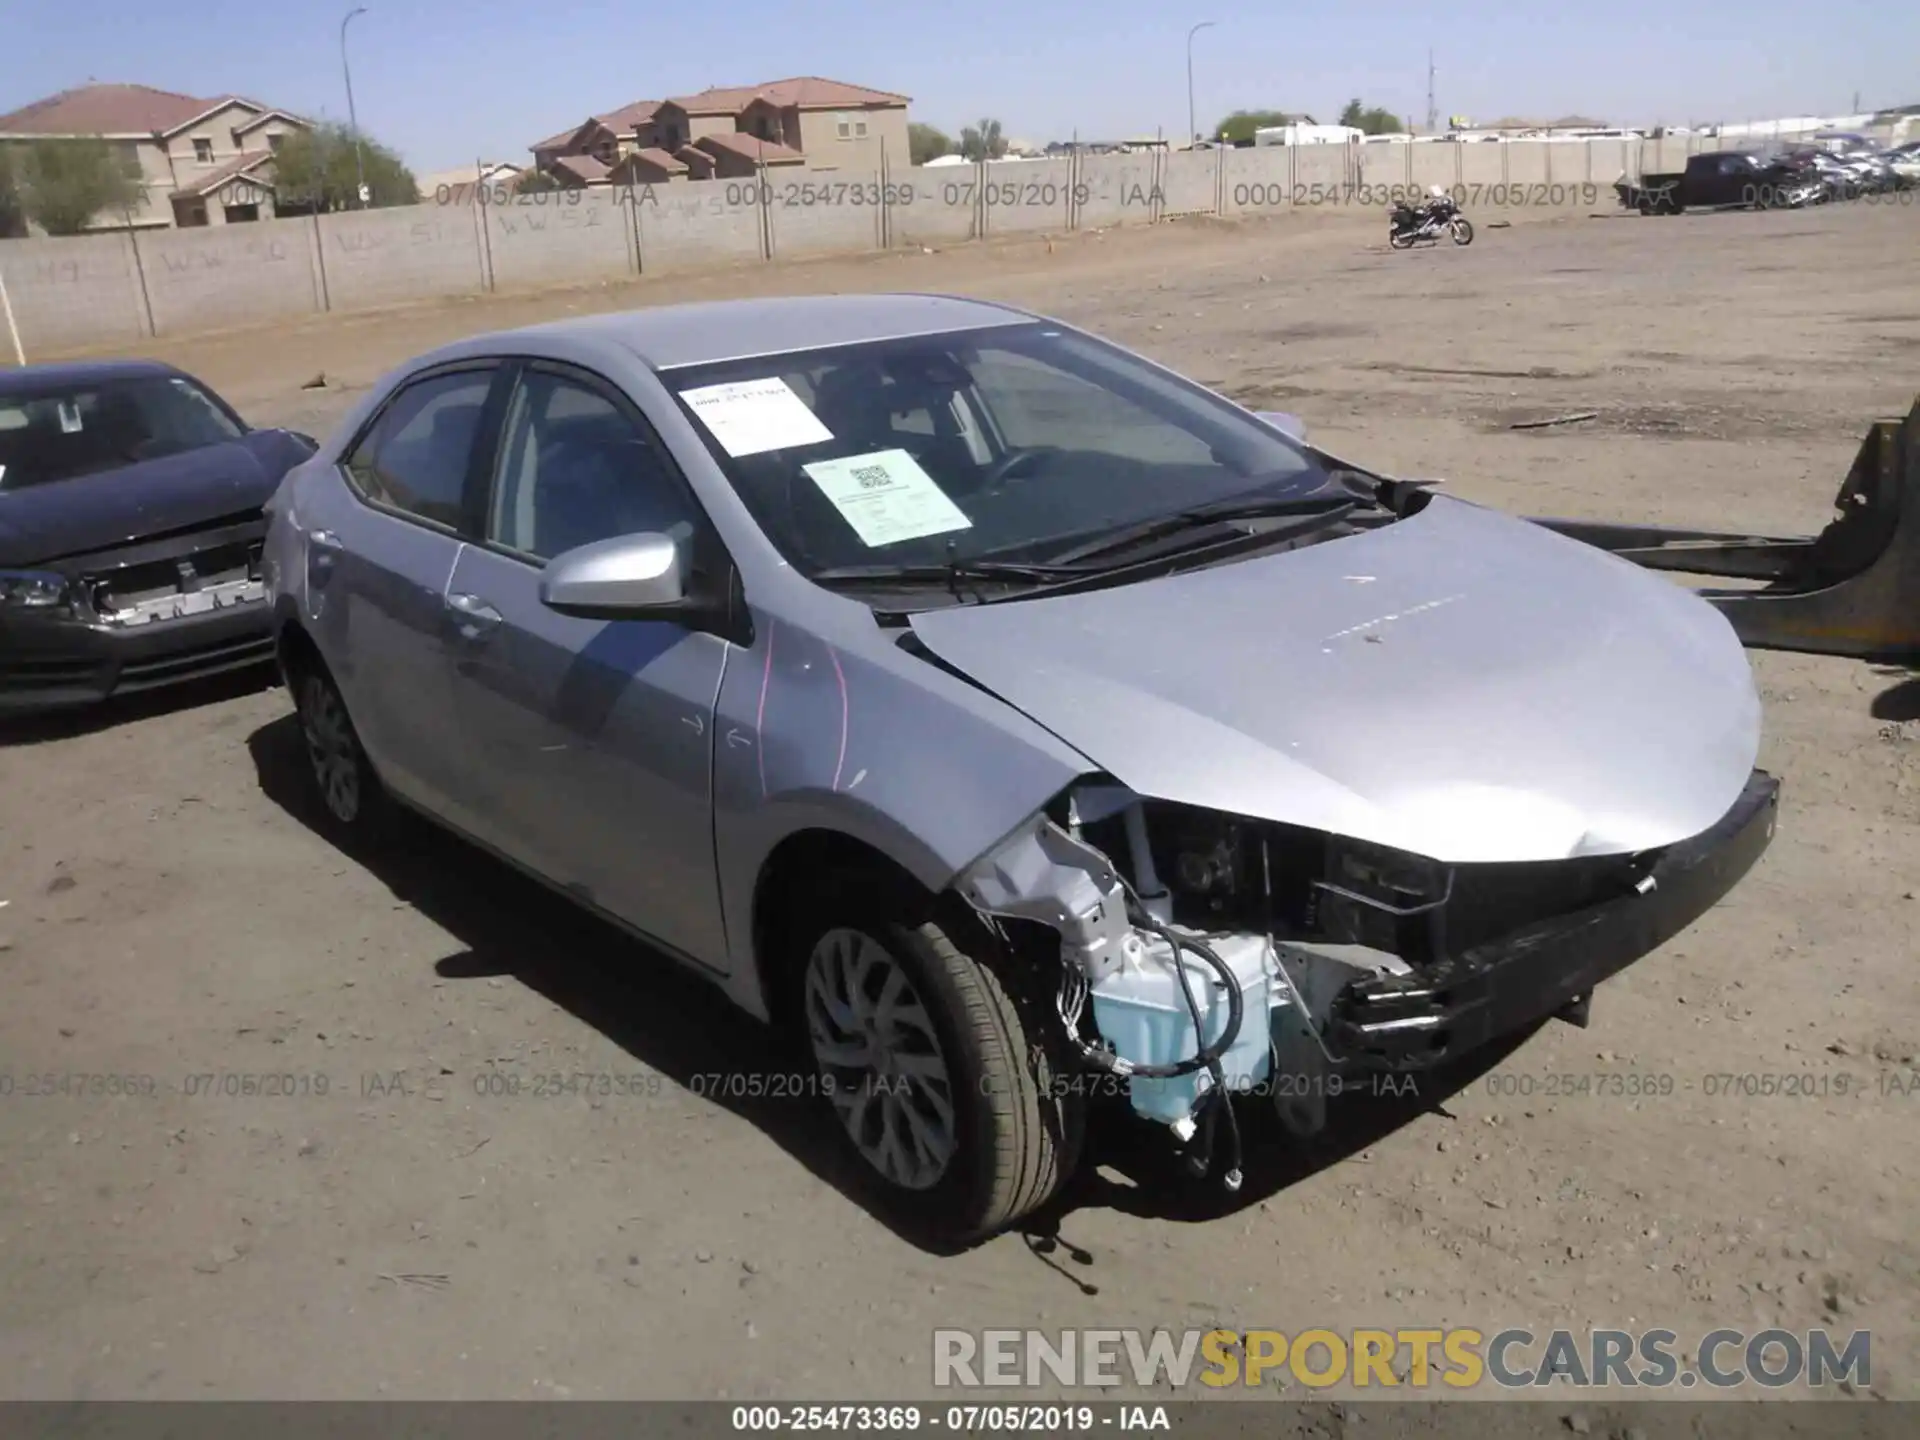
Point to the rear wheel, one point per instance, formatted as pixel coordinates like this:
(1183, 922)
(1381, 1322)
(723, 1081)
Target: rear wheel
(1400, 239)
(1462, 230)
(933, 1047)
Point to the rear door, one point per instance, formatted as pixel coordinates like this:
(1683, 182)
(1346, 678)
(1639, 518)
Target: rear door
(595, 738)
(381, 549)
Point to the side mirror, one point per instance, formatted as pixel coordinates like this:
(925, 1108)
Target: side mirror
(1291, 424)
(630, 577)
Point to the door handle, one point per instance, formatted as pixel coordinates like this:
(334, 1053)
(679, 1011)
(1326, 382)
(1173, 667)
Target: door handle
(323, 540)
(475, 618)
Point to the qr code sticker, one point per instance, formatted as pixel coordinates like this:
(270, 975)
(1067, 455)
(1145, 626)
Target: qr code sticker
(871, 477)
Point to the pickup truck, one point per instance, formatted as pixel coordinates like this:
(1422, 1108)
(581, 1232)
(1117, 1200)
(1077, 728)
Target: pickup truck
(1721, 180)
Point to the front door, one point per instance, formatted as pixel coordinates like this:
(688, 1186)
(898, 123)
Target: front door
(594, 737)
(380, 552)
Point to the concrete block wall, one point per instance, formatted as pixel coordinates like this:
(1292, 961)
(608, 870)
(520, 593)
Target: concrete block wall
(1116, 190)
(1190, 182)
(935, 205)
(217, 275)
(1032, 198)
(82, 290)
(553, 237)
(825, 214)
(116, 290)
(690, 223)
(371, 258)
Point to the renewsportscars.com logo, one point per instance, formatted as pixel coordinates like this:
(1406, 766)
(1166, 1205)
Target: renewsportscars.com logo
(1459, 1358)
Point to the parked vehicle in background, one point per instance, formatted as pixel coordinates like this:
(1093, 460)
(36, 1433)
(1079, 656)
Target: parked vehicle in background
(1410, 225)
(1726, 179)
(130, 531)
(997, 712)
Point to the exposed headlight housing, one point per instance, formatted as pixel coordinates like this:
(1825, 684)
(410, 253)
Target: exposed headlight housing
(32, 589)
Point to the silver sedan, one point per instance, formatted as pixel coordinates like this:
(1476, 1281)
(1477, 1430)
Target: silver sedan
(1015, 720)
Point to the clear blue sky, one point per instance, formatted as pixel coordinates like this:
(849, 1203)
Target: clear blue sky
(444, 80)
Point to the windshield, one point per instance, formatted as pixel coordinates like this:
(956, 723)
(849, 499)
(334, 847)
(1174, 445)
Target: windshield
(85, 429)
(1011, 442)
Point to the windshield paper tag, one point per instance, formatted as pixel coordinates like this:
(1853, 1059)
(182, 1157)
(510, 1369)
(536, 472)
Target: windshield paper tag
(749, 417)
(886, 497)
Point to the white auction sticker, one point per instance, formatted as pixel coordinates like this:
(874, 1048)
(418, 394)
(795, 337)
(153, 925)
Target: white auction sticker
(750, 417)
(886, 497)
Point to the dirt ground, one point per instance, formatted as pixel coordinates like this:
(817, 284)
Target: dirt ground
(170, 913)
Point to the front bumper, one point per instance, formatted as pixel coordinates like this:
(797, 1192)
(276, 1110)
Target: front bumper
(1458, 1005)
(53, 664)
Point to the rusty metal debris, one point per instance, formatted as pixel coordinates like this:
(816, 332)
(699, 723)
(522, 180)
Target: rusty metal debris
(1852, 590)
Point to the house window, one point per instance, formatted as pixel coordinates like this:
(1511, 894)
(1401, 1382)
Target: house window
(203, 151)
(843, 127)
(235, 136)
(273, 143)
(860, 127)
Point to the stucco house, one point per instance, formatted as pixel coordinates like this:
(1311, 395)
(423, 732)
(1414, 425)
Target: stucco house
(730, 132)
(204, 162)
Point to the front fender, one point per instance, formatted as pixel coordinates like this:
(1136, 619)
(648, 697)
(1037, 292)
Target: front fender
(861, 739)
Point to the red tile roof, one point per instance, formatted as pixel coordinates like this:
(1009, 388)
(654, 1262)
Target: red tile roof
(582, 167)
(751, 147)
(807, 92)
(114, 110)
(627, 116)
(654, 155)
(554, 142)
(213, 180)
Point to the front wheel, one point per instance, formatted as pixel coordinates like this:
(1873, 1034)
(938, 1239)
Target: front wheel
(349, 792)
(932, 1045)
(1462, 230)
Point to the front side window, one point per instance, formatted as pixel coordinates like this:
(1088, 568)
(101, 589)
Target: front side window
(1009, 442)
(575, 468)
(417, 455)
(85, 429)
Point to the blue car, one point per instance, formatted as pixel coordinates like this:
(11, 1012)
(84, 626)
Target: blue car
(131, 523)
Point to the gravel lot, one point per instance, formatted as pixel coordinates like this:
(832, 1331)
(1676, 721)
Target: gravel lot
(171, 913)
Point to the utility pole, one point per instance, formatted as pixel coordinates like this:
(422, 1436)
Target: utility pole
(1433, 112)
(1193, 134)
(353, 119)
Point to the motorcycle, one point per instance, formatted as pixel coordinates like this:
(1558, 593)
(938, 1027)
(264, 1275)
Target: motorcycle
(1437, 217)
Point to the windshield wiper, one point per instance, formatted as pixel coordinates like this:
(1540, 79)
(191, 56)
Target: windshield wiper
(951, 575)
(1315, 508)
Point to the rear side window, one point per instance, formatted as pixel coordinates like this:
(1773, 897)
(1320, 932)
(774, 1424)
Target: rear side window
(416, 457)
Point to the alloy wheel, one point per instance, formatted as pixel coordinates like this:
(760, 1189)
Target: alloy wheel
(876, 1044)
(331, 748)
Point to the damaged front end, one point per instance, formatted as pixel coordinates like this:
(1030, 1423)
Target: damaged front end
(1221, 955)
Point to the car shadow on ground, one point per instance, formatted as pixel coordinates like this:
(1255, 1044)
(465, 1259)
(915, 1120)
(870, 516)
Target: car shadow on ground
(1900, 701)
(686, 1030)
(69, 724)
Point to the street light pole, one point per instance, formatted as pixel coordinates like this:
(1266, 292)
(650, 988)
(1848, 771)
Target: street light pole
(353, 119)
(1193, 134)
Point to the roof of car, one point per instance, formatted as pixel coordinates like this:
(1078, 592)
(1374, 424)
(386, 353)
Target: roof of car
(698, 333)
(35, 379)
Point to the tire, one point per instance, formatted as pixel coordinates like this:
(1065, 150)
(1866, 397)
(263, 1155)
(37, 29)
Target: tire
(1400, 239)
(1015, 1137)
(1462, 230)
(348, 792)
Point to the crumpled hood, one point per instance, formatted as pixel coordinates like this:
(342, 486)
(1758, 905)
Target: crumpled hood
(1461, 684)
(44, 523)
